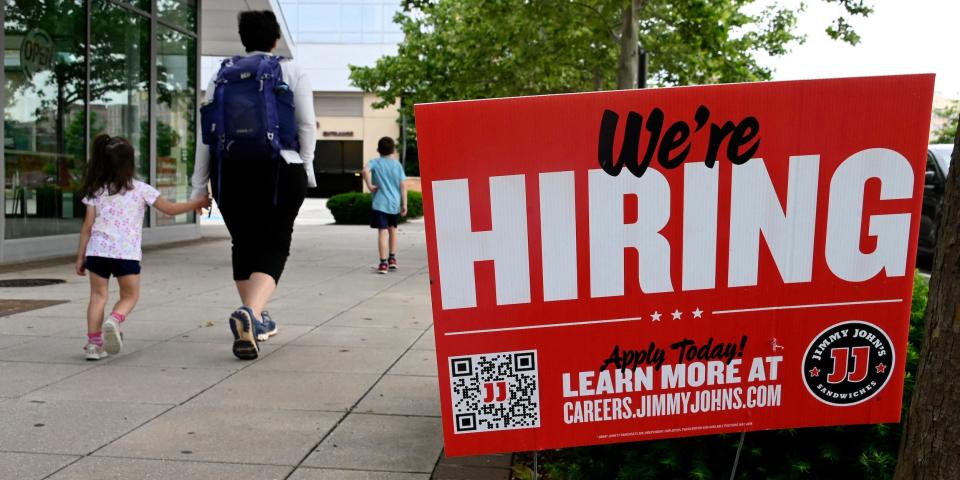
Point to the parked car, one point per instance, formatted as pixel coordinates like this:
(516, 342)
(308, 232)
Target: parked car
(938, 164)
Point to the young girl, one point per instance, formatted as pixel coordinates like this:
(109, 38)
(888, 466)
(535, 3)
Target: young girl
(110, 238)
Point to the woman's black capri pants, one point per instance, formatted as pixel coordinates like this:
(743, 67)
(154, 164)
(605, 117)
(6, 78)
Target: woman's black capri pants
(259, 202)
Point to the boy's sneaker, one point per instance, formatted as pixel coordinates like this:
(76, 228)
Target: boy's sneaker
(266, 327)
(242, 325)
(94, 352)
(112, 338)
(382, 269)
(392, 263)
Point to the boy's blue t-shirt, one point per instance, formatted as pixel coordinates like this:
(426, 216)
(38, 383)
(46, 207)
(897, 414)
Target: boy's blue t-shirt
(386, 174)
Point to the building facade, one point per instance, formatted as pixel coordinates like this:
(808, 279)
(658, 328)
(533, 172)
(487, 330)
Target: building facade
(77, 68)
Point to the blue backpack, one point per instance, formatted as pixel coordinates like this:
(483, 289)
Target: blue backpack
(251, 117)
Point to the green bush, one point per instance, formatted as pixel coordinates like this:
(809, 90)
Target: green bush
(856, 451)
(414, 204)
(353, 208)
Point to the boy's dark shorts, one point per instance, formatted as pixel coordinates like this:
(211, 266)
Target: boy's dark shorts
(382, 220)
(105, 267)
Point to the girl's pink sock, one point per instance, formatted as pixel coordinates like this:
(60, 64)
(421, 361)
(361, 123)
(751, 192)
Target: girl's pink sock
(119, 316)
(95, 338)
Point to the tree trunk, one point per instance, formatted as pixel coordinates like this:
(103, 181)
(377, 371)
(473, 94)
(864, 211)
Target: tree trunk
(629, 46)
(930, 447)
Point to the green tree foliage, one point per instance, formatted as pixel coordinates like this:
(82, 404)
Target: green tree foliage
(469, 49)
(858, 451)
(457, 49)
(167, 138)
(951, 115)
(841, 29)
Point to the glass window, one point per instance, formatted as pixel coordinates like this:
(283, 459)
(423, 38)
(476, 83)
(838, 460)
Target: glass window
(351, 18)
(942, 154)
(319, 18)
(372, 18)
(43, 116)
(141, 4)
(176, 117)
(120, 78)
(182, 13)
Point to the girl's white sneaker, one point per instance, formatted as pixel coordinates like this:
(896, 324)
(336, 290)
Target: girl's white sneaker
(112, 340)
(94, 352)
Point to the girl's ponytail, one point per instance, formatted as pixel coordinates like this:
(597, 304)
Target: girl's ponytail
(99, 150)
(110, 167)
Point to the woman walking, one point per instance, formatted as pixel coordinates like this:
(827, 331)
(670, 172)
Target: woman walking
(259, 191)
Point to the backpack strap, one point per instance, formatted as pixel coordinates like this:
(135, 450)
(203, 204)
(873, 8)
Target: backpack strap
(220, 130)
(269, 73)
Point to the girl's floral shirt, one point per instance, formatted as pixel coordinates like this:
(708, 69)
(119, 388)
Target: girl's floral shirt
(118, 228)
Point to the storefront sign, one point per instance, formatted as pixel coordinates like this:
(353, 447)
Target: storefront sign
(331, 133)
(36, 52)
(624, 266)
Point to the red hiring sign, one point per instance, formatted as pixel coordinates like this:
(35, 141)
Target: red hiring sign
(623, 266)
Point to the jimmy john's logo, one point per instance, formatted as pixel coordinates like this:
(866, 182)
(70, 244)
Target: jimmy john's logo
(848, 363)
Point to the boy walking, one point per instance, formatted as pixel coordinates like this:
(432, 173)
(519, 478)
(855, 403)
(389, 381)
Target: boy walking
(384, 178)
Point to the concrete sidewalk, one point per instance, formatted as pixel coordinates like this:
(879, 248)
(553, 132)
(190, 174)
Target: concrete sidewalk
(347, 390)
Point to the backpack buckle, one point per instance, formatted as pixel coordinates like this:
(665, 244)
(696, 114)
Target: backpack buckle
(270, 136)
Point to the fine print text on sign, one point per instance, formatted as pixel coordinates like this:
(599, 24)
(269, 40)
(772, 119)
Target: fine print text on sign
(624, 266)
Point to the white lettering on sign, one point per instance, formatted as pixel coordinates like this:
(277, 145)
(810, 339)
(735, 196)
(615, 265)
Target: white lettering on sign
(609, 235)
(458, 246)
(845, 216)
(558, 236)
(755, 212)
(700, 188)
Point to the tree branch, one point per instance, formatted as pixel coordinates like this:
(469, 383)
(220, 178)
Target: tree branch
(606, 26)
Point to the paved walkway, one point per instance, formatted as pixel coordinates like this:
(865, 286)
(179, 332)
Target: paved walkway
(313, 212)
(347, 390)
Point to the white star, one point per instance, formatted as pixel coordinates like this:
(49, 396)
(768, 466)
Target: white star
(655, 317)
(676, 314)
(698, 313)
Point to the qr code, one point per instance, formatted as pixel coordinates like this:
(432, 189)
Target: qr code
(495, 391)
